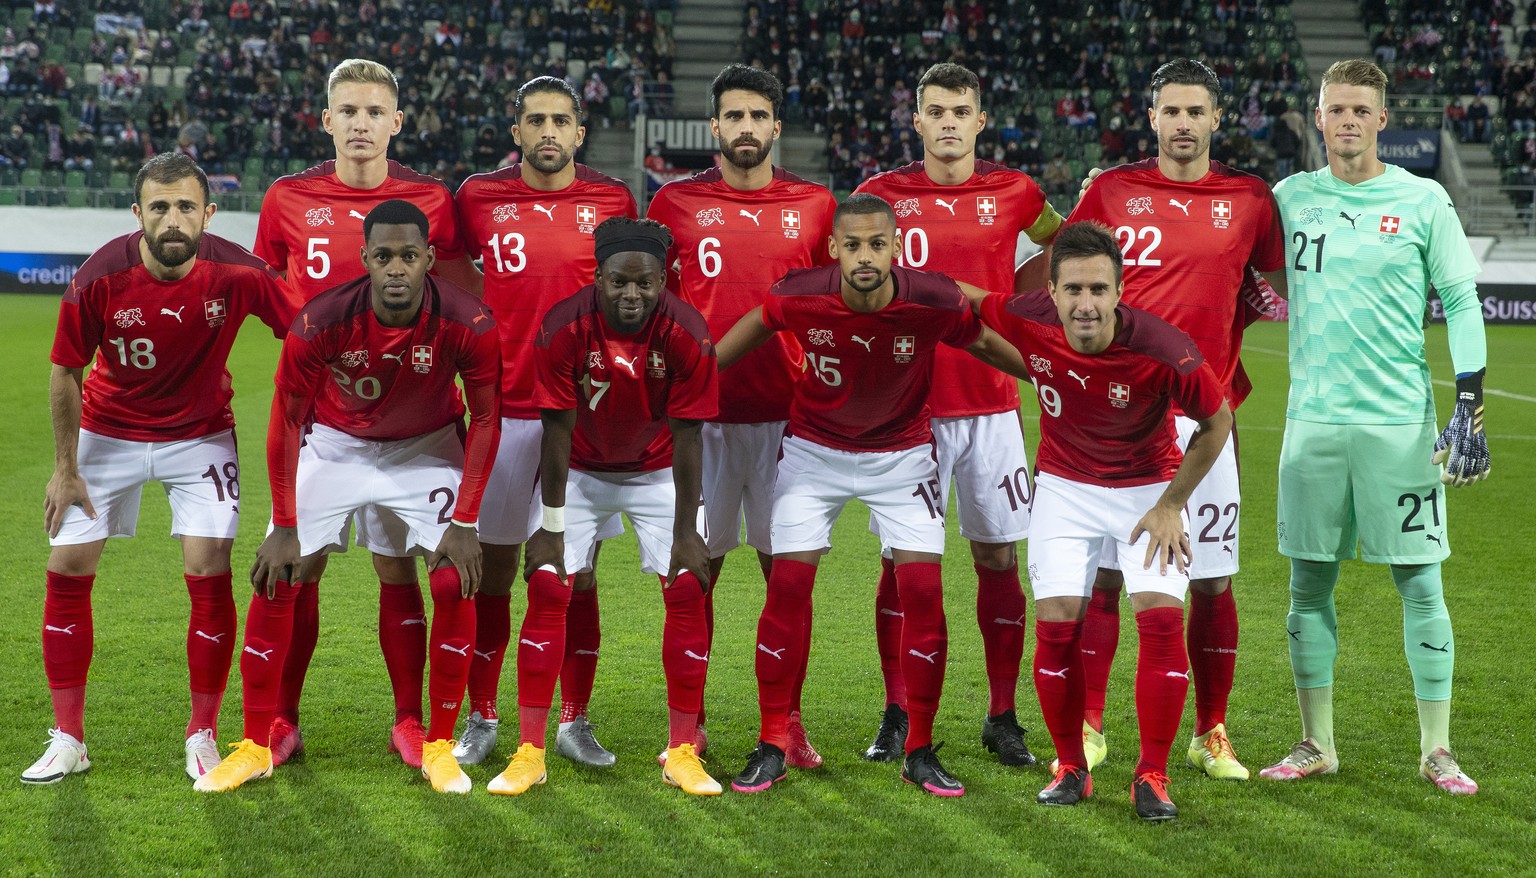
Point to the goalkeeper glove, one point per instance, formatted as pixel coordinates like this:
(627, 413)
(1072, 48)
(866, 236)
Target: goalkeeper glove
(1463, 446)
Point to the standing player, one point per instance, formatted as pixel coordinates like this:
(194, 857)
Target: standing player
(157, 311)
(531, 225)
(1110, 472)
(859, 429)
(626, 376)
(1189, 230)
(962, 216)
(737, 229)
(1357, 463)
(310, 229)
(375, 360)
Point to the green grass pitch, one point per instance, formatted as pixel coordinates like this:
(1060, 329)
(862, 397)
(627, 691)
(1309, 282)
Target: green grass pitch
(348, 807)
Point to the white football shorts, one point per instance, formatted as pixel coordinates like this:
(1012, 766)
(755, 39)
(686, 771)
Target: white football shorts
(741, 462)
(901, 489)
(593, 503)
(511, 510)
(1071, 524)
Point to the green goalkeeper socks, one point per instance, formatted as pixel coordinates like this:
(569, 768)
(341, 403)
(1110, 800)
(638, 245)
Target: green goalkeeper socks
(1427, 638)
(1312, 625)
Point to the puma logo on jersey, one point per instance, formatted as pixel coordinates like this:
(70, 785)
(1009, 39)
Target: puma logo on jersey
(947, 205)
(929, 658)
(547, 211)
(537, 646)
(776, 653)
(751, 216)
(264, 655)
(864, 341)
(693, 655)
(1184, 207)
(1081, 379)
(398, 358)
(1061, 674)
(67, 629)
(1019, 622)
(463, 651)
(177, 313)
(627, 364)
(206, 636)
(355, 214)
(1343, 215)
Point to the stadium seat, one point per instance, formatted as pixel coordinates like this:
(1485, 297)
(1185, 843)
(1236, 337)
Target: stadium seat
(93, 73)
(8, 197)
(120, 180)
(74, 179)
(32, 177)
(76, 198)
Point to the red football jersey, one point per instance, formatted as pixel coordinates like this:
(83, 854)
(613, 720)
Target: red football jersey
(729, 247)
(969, 232)
(1187, 248)
(536, 247)
(311, 224)
(1105, 418)
(625, 387)
(160, 347)
(384, 383)
(870, 373)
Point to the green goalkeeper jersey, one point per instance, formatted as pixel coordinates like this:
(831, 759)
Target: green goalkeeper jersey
(1360, 262)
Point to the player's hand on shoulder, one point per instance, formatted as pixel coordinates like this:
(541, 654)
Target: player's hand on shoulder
(690, 554)
(64, 490)
(460, 546)
(544, 549)
(1167, 542)
(277, 559)
(1093, 173)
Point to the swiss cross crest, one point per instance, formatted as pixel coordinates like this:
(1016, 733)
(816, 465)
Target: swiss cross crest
(904, 347)
(421, 357)
(655, 364)
(214, 310)
(1119, 395)
(586, 218)
(317, 216)
(503, 212)
(1390, 225)
(1221, 212)
(986, 209)
(790, 221)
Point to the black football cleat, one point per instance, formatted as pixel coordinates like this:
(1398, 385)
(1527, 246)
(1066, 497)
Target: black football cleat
(922, 768)
(1149, 792)
(1003, 735)
(1072, 785)
(891, 739)
(765, 767)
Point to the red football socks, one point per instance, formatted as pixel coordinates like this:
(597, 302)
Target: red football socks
(924, 647)
(403, 640)
(805, 661)
(493, 630)
(780, 643)
(306, 634)
(583, 639)
(1060, 686)
(684, 656)
(452, 650)
(1212, 639)
(1162, 684)
(888, 633)
(211, 631)
(1101, 636)
(540, 651)
(1000, 611)
(263, 667)
(68, 640)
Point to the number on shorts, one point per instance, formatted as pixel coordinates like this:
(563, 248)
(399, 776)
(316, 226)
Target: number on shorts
(1016, 487)
(929, 492)
(227, 487)
(1216, 513)
(1432, 500)
(444, 515)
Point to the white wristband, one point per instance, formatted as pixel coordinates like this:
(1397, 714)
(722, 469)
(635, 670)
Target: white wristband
(554, 519)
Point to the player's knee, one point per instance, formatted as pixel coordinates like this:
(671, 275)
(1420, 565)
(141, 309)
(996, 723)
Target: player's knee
(394, 570)
(1312, 583)
(586, 580)
(203, 556)
(994, 556)
(1213, 586)
(1419, 585)
(1061, 609)
(1153, 600)
(76, 560)
(1108, 580)
(499, 569)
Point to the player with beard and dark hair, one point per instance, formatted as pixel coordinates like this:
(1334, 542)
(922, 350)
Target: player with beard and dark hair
(737, 229)
(156, 311)
(532, 224)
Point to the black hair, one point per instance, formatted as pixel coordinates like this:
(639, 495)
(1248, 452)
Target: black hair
(395, 213)
(168, 167)
(546, 85)
(1084, 240)
(1186, 71)
(863, 204)
(740, 77)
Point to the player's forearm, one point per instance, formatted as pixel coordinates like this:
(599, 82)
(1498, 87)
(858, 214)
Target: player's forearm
(974, 296)
(687, 472)
(285, 430)
(1464, 327)
(1035, 273)
(555, 455)
(999, 353)
(479, 449)
(65, 395)
(1199, 456)
(747, 335)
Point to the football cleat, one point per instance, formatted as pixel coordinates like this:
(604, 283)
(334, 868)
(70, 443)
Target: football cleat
(922, 768)
(1212, 753)
(439, 767)
(800, 753)
(1149, 793)
(1003, 735)
(686, 770)
(1440, 769)
(478, 740)
(576, 742)
(1070, 786)
(287, 741)
(247, 760)
(202, 753)
(1304, 760)
(1094, 747)
(700, 744)
(406, 738)
(765, 767)
(525, 770)
(64, 756)
(891, 738)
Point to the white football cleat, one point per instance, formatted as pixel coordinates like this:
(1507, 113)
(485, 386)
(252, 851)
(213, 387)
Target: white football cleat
(64, 756)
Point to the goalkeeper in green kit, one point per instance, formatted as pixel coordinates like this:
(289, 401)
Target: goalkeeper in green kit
(1360, 462)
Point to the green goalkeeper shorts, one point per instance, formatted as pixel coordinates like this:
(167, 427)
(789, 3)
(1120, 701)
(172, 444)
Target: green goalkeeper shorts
(1342, 484)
